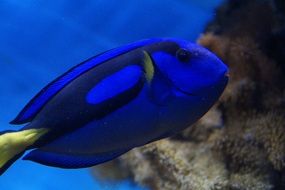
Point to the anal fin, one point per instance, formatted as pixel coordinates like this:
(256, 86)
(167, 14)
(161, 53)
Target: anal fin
(71, 161)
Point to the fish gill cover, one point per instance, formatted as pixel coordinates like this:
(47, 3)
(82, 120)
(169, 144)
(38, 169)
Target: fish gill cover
(41, 39)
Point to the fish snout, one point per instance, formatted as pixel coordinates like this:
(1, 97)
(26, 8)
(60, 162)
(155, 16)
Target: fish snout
(227, 74)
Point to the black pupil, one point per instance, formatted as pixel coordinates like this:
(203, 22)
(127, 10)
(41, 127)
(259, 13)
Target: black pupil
(183, 55)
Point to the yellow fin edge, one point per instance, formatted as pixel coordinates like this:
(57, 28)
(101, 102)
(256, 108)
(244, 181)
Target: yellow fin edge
(148, 67)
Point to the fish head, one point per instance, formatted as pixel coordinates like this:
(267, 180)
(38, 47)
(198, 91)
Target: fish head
(190, 68)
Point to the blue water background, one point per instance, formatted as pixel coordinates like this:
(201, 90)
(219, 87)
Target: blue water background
(40, 39)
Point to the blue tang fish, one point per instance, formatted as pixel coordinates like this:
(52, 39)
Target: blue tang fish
(121, 99)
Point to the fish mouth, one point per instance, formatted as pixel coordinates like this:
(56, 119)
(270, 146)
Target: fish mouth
(227, 74)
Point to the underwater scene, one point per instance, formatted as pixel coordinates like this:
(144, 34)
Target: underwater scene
(142, 95)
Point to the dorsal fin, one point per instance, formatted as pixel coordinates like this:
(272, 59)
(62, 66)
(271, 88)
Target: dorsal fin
(36, 104)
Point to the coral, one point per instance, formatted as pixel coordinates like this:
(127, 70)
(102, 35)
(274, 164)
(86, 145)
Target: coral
(270, 134)
(253, 106)
(189, 167)
(240, 142)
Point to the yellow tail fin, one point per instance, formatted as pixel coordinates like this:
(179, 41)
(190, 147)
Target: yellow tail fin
(14, 144)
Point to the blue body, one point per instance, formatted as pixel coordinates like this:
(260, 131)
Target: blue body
(108, 105)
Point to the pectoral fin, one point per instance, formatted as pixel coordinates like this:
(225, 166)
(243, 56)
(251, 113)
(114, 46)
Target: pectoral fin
(159, 87)
(148, 67)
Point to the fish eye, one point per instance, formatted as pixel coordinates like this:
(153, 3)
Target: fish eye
(183, 55)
